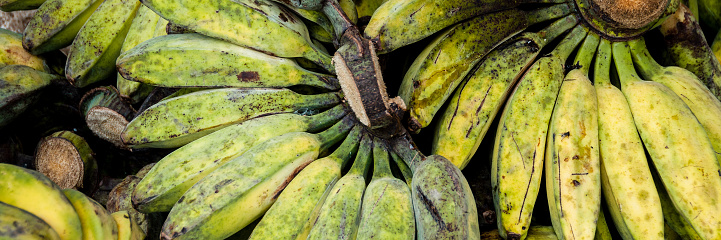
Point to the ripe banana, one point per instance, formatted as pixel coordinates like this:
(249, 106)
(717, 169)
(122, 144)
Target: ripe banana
(339, 216)
(33, 192)
(446, 61)
(519, 147)
(423, 18)
(16, 5)
(672, 217)
(627, 183)
(476, 102)
(141, 29)
(20, 87)
(678, 145)
(16, 223)
(56, 23)
(241, 190)
(94, 219)
(128, 229)
(260, 25)
(178, 171)
(387, 210)
(294, 213)
(176, 121)
(173, 61)
(12, 52)
(704, 105)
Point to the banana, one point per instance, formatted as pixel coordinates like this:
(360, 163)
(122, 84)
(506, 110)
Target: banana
(294, 213)
(704, 105)
(672, 217)
(627, 184)
(241, 190)
(33, 192)
(95, 220)
(678, 145)
(366, 8)
(16, 5)
(92, 55)
(318, 33)
(12, 52)
(176, 121)
(519, 147)
(313, 16)
(56, 23)
(178, 171)
(141, 29)
(172, 61)
(20, 87)
(260, 25)
(445, 62)
(476, 102)
(387, 210)
(688, 48)
(340, 214)
(423, 18)
(128, 229)
(16, 223)
(710, 13)
(716, 46)
(602, 230)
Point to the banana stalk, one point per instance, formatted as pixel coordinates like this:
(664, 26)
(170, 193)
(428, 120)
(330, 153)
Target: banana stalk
(66, 158)
(20, 224)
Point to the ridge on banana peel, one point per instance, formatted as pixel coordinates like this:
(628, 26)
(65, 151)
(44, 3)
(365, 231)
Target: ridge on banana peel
(241, 190)
(172, 61)
(174, 174)
(295, 211)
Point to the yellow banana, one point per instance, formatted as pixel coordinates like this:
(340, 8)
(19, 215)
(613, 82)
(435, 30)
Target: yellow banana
(13, 53)
(94, 218)
(128, 229)
(16, 223)
(56, 23)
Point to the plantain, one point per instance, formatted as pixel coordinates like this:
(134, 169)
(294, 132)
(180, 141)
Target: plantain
(56, 23)
(16, 223)
(95, 220)
(20, 87)
(128, 229)
(16, 5)
(12, 52)
(141, 29)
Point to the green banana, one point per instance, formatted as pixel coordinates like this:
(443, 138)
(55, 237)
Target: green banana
(627, 183)
(20, 87)
(704, 105)
(16, 223)
(519, 147)
(446, 61)
(241, 190)
(366, 8)
(678, 145)
(716, 46)
(295, 211)
(178, 171)
(95, 220)
(12, 52)
(318, 33)
(128, 229)
(387, 210)
(259, 25)
(688, 48)
(423, 18)
(710, 13)
(23, 188)
(141, 29)
(316, 17)
(16, 5)
(340, 214)
(56, 23)
(476, 102)
(176, 121)
(172, 61)
(602, 230)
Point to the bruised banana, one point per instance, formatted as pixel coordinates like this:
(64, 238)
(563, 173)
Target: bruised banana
(260, 25)
(20, 87)
(128, 229)
(93, 53)
(297, 208)
(678, 145)
(476, 102)
(387, 210)
(176, 121)
(23, 188)
(16, 223)
(16, 5)
(172, 61)
(339, 216)
(423, 18)
(704, 105)
(241, 190)
(178, 171)
(518, 152)
(142, 29)
(56, 23)
(94, 218)
(13, 53)
(627, 184)
(445, 62)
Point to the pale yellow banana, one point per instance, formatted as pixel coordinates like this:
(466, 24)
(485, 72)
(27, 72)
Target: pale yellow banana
(16, 223)
(128, 229)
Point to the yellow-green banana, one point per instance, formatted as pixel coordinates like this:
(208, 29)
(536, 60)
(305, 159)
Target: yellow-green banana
(96, 221)
(446, 61)
(175, 61)
(678, 145)
(141, 29)
(478, 99)
(20, 87)
(176, 121)
(16, 223)
(241, 190)
(673, 219)
(13, 53)
(178, 171)
(387, 210)
(56, 23)
(128, 229)
(295, 212)
(16, 5)
(366, 8)
(716, 46)
(627, 184)
(33, 192)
